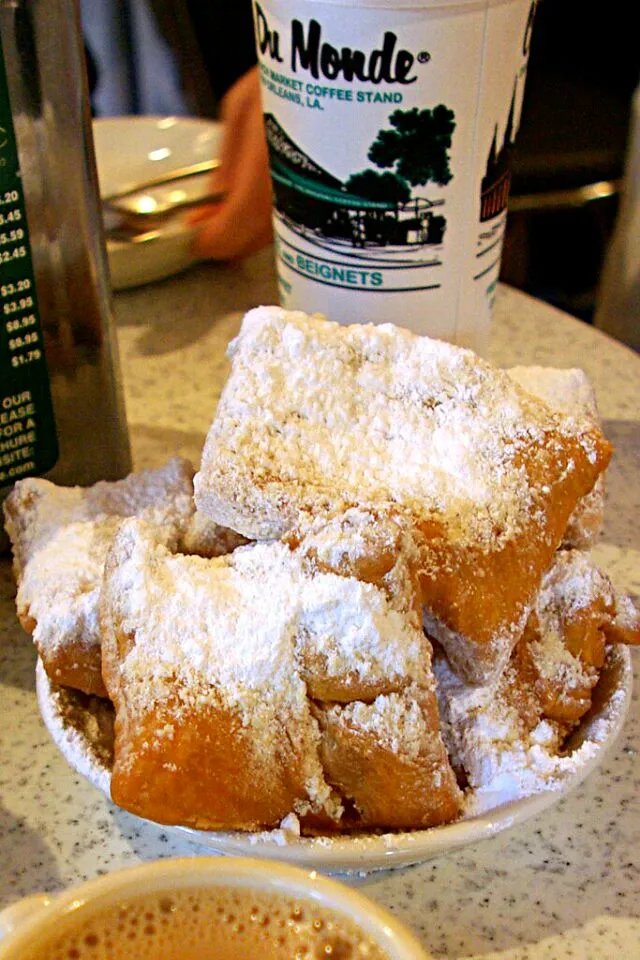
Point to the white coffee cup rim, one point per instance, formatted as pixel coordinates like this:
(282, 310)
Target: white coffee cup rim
(390, 935)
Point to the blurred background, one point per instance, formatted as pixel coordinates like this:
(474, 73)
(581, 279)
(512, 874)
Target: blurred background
(162, 57)
(569, 158)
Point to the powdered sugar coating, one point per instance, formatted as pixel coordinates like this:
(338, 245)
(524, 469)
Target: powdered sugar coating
(237, 624)
(316, 417)
(627, 618)
(60, 586)
(463, 654)
(484, 735)
(37, 509)
(374, 545)
(498, 733)
(571, 392)
(370, 850)
(566, 389)
(573, 583)
(203, 637)
(254, 638)
(370, 413)
(357, 534)
(396, 721)
(61, 537)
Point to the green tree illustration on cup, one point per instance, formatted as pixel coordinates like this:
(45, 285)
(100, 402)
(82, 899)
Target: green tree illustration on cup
(417, 146)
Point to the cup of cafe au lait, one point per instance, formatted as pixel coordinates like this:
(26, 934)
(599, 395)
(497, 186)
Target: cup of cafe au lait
(205, 909)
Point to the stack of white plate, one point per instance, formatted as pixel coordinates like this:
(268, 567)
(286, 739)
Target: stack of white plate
(132, 150)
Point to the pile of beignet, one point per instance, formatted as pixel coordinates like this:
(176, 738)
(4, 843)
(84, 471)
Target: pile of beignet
(370, 505)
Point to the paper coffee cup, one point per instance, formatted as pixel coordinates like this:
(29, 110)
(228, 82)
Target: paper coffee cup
(390, 127)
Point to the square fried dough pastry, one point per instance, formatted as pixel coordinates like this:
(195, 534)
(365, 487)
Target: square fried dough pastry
(571, 392)
(315, 414)
(508, 735)
(60, 538)
(274, 681)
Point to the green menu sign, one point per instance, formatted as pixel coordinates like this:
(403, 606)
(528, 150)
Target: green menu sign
(28, 441)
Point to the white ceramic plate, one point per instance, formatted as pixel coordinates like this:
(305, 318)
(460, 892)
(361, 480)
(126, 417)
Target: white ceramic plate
(366, 852)
(134, 149)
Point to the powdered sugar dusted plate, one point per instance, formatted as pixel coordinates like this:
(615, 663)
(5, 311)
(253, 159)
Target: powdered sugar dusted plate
(82, 728)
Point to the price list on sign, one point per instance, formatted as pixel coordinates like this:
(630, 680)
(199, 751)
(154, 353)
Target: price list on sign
(28, 442)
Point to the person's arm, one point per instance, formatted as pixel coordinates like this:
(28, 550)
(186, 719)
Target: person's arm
(241, 223)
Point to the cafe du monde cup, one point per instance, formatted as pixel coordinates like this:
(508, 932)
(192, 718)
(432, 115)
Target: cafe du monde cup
(205, 908)
(390, 126)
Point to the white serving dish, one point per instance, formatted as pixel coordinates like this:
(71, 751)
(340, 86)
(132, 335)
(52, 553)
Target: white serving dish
(377, 851)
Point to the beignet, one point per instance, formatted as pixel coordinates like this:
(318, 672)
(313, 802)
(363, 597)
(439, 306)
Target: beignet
(60, 538)
(570, 391)
(238, 683)
(515, 727)
(316, 416)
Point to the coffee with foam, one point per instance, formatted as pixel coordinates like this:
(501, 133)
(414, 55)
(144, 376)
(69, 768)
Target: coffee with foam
(215, 923)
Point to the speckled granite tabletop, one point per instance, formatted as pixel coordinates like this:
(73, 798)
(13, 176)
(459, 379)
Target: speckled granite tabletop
(563, 885)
